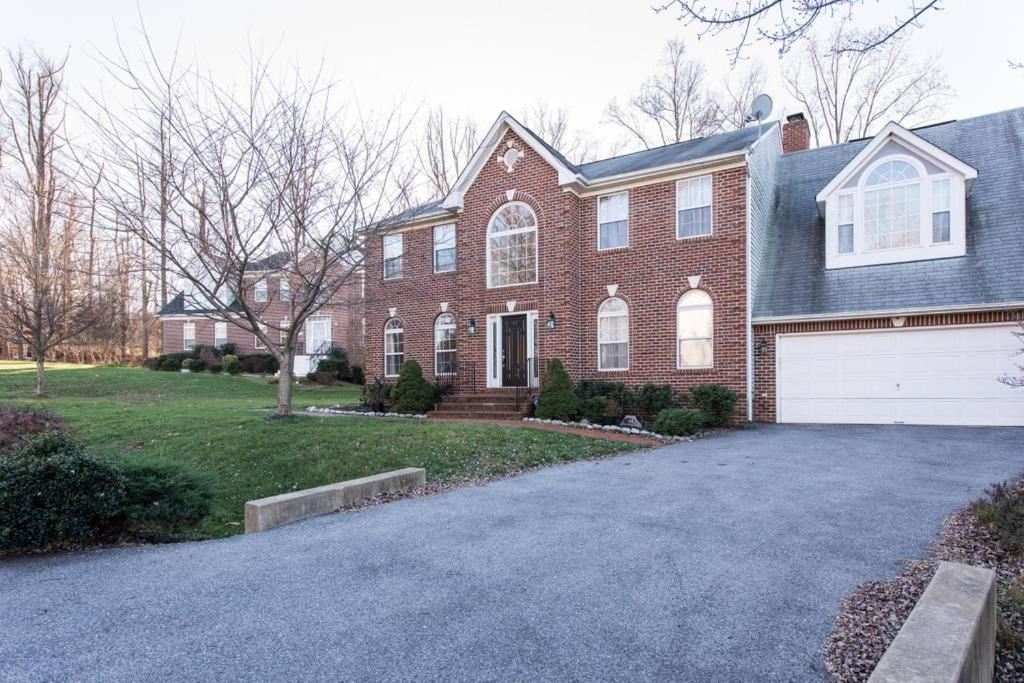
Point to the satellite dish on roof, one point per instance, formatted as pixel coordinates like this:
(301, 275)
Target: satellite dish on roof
(760, 109)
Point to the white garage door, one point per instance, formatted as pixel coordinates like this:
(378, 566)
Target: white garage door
(944, 376)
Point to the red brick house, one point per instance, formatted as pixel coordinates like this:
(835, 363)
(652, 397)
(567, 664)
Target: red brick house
(185, 322)
(862, 282)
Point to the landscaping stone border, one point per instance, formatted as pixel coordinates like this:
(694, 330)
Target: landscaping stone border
(267, 513)
(337, 410)
(621, 430)
(951, 633)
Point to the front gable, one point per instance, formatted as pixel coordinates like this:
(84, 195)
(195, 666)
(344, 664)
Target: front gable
(492, 150)
(900, 199)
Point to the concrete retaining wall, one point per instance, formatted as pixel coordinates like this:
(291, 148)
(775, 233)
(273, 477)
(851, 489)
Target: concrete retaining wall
(267, 513)
(950, 635)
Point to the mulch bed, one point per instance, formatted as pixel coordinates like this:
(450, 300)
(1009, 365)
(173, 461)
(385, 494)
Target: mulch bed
(871, 616)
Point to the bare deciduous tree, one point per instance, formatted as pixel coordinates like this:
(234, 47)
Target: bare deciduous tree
(741, 88)
(1017, 381)
(274, 177)
(847, 95)
(674, 104)
(553, 126)
(447, 145)
(43, 291)
(785, 22)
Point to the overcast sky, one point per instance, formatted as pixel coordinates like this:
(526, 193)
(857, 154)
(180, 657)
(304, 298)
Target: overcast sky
(481, 56)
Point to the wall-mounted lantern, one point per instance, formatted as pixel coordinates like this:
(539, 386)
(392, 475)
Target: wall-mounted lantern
(762, 346)
(471, 327)
(551, 320)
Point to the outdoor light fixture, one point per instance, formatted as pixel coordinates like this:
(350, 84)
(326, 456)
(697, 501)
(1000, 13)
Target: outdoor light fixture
(551, 321)
(471, 328)
(762, 346)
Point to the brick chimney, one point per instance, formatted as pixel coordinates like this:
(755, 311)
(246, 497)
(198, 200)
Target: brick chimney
(796, 134)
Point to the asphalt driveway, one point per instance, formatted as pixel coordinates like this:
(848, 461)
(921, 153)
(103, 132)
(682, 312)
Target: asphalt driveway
(721, 559)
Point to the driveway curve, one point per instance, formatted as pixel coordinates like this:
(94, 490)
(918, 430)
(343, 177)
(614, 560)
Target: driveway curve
(721, 559)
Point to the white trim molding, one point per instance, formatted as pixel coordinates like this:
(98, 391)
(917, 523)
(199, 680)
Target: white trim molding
(890, 313)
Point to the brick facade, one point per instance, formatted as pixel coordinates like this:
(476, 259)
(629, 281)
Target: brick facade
(765, 336)
(345, 311)
(573, 278)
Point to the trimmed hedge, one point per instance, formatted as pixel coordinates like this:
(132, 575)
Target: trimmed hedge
(558, 399)
(651, 399)
(53, 493)
(716, 401)
(679, 422)
(594, 408)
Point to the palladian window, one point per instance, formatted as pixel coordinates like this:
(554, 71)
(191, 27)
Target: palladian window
(512, 246)
(892, 206)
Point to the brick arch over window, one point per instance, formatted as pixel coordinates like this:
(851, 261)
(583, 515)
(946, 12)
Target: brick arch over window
(517, 196)
(695, 330)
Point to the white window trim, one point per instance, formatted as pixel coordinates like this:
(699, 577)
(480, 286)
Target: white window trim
(330, 330)
(260, 293)
(536, 245)
(256, 343)
(679, 308)
(433, 237)
(710, 205)
(284, 324)
(454, 327)
(184, 337)
(399, 330)
(925, 249)
(284, 287)
(599, 342)
(217, 326)
(494, 346)
(598, 212)
(384, 256)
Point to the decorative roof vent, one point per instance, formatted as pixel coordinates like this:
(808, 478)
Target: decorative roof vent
(511, 156)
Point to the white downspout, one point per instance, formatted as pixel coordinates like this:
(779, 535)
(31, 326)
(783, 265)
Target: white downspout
(750, 308)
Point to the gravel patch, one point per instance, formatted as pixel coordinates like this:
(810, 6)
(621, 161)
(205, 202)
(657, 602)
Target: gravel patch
(871, 616)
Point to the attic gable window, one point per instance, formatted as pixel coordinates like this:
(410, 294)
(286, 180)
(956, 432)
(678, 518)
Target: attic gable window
(899, 199)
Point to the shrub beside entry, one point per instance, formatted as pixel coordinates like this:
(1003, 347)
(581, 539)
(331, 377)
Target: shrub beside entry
(679, 422)
(558, 400)
(412, 393)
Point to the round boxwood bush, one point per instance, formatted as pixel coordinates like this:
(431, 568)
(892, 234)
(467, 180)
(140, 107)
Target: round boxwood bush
(54, 493)
(188, 363)
(162, 500)
(679, 422)
(232, 365)
(412, 393)
(558, 399)
(170, 365)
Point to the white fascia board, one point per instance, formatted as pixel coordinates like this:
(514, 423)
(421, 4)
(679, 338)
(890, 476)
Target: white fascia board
(454, 199)
(657, 173)
(908, 138)
(887, 313)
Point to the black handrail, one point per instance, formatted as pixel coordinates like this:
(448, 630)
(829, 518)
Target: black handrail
(525, 389)
(462, 380)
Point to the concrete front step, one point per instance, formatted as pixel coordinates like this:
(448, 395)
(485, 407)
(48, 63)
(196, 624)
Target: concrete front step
(453, 413)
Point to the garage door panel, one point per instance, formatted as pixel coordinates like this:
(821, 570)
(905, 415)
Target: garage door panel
(914, 376)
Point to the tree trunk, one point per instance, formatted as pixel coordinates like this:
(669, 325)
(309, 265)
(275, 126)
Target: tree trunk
(284, 385)
(40, 379)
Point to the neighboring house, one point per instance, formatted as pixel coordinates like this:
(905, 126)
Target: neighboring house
(873, 281)
(337, 323)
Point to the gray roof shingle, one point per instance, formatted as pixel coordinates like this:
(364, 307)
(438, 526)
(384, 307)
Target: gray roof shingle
(794, 281)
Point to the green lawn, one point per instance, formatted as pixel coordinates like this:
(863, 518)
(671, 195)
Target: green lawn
(214, 423)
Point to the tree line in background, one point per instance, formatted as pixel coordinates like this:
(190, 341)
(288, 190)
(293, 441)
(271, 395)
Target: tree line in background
(180, 182)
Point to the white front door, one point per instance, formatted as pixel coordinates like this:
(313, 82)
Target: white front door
(940, 376)
(496, 352)
(318, 334)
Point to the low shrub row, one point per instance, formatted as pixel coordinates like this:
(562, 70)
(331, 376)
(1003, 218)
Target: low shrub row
(335, 366)
(411, 393)
(254, 363)
(606, 402)
(53, 493)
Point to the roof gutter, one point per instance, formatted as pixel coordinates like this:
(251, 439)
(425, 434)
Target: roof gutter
(888, 313)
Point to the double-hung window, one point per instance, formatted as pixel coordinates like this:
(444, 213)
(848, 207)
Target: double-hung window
(394, 347)
(845, 223)
(392, 256)
(940, 211)
(693, 207)
(695, 330)
(188, 336)
(260, 291)
(613, 335)
(220, 334)
(613, 221)
(284, 289)
(256, 343)
(444, 248)
(444, 345)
